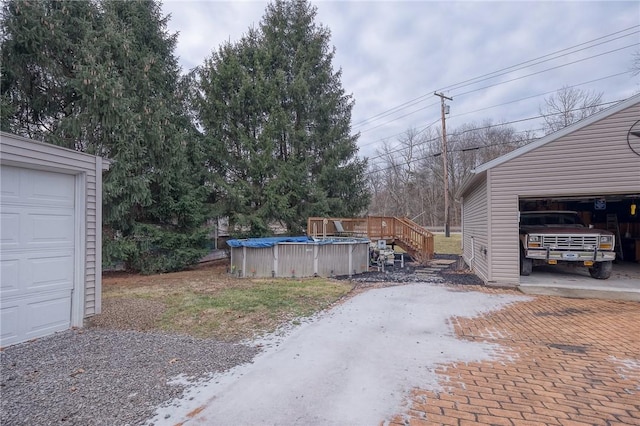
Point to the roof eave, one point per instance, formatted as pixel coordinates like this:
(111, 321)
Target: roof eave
(560, 133)
(469, 182)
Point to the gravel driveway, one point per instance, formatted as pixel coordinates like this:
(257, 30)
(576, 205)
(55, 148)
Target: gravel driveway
(106, 376)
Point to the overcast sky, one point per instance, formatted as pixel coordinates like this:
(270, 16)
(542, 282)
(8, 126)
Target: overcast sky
(397, 53)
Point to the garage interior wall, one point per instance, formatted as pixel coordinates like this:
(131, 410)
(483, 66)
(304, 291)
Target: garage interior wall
(54, 175)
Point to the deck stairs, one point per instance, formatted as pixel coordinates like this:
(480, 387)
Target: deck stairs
(401, 231)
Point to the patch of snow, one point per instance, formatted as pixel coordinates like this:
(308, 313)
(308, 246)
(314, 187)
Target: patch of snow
(353, 364)
(628, 369)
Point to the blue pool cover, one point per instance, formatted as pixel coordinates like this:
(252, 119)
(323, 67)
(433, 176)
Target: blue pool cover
(267, 242)
(272, 241)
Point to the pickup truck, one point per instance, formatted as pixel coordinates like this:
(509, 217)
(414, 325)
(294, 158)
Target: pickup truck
(552, 237)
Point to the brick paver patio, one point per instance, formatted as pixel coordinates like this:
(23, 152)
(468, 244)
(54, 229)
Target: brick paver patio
(563, 362)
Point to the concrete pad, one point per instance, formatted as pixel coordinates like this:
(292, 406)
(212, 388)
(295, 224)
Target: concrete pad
(568, 281)
(427, 271)
(443, 262)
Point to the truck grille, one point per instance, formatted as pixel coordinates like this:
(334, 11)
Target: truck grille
(569, 242)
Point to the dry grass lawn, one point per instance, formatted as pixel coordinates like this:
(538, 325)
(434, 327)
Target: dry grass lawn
(207, 302)
(450, 245)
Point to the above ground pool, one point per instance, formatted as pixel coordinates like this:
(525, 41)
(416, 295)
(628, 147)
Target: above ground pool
(298, 256)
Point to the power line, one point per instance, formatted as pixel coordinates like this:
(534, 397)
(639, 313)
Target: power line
(457, 134)
(548, 69)
(454, 86)
(391, 110)
(532, 61)
(515, 79)
(512, 80)
(402, 133)
(489, 107)
(370, 172)
(396, 119)
(540, 94)
(531, 118)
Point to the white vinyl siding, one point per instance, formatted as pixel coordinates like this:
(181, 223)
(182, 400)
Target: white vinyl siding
(21, 152)
(592, 160)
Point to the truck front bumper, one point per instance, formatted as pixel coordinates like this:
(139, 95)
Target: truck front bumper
(571, 256)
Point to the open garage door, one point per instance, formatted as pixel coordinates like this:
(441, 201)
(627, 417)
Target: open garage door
(617, 213)
(37, 252)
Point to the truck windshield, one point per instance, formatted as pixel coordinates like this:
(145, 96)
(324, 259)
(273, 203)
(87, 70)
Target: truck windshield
(546, 219)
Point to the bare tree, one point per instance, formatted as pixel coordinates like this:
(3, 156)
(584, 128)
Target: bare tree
(385, 176)
(429, 182)
(635, 66)
(378, 190)
(395, 172)
(407, 177)
(471, 145)
(399, 182)
(567, 106)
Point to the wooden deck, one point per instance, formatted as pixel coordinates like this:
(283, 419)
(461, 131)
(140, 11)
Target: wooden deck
(410, 236)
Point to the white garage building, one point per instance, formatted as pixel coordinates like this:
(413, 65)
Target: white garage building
(50, 238)
(596, 159)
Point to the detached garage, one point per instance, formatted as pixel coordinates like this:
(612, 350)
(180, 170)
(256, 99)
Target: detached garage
(50, 238)
(592, 167)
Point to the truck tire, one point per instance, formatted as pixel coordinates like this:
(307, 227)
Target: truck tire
(526, 265)
(601, 270)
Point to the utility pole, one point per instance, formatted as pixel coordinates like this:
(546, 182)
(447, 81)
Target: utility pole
(445, 169)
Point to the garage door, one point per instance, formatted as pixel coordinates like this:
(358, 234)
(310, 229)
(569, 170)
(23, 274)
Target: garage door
(37, 253)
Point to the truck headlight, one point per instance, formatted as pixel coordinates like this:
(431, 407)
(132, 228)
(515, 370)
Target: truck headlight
(606, 242)
(533, 241)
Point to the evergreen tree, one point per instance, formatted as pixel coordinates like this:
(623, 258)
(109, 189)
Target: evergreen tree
(43, 49)
(102, 78)
(278, 125)
(230, 106)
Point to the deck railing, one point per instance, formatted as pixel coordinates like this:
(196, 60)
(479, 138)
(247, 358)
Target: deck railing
(413, 238)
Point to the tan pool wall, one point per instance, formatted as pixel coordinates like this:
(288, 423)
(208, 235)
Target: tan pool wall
(301, 259)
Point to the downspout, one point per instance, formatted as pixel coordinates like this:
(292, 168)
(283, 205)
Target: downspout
(473, 253)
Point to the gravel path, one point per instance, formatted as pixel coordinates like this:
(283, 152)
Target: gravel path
(104, 377)
(395, 275)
